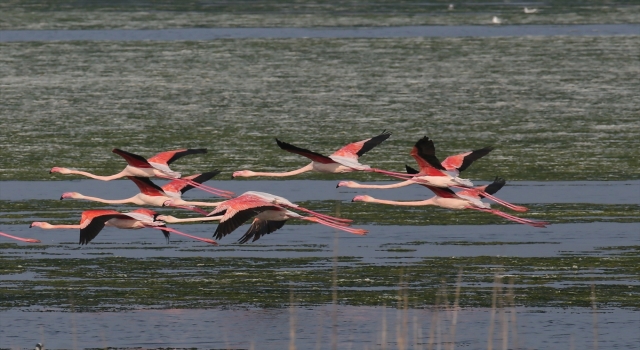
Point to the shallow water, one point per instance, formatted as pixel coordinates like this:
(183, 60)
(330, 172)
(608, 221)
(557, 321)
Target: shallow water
(356, 327)
(198, 34)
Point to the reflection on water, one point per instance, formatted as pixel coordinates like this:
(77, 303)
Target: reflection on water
(198, 34)
(356, 327)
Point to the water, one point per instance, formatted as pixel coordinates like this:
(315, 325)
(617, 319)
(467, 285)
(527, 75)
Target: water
(357, 328)
(197, 34)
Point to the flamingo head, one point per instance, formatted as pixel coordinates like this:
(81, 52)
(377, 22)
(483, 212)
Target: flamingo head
(361, 198)
(56, 169)
(69, 195)
(37, 224)
(160, 217)
(242, 173)
(32, 240)
(344, 184)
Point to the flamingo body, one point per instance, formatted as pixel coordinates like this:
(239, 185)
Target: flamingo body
(343, 160)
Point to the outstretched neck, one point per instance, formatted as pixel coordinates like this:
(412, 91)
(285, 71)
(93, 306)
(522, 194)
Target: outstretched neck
(48, 226)
(133, 200)
(174, 220)
(304, 169)
(352, 184)
(99, 177)
(430, 201)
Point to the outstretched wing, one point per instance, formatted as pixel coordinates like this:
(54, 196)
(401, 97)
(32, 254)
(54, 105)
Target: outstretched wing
(493, 187)
(410, 170)
(147, 186)
(182, 186)
(89, 232)
(424, 152)
(357, 149)
(226, 226)
(169, 157)
(132, 159)
(444, 192)
(260, 228)
(461, 162)
(316, 157)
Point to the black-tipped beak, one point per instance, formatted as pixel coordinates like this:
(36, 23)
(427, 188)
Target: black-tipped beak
(61, 198)
(338, 185)
(232, 177)
(352, 201)
(30, 226)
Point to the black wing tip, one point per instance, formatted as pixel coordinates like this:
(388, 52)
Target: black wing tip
(495, 186)
(410, 170)
(197, 150)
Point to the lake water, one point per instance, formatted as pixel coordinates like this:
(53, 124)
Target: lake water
(198, 34)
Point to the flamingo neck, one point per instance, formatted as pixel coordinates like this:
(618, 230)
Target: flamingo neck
(99, 177)
(395, 185)
(107, 201)
(430, 201)
(48, 226)
(173, 220)
(201, 204)
(304, 169)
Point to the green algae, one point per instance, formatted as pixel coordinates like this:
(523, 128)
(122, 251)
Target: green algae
(110, 283)
(68, 14)
(549, 106)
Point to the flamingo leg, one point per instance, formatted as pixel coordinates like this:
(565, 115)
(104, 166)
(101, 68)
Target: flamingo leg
(28, 240)
(218, 192)
(512, 218)
(206, 240)
(322, 216)
(391, 173)
(513, 207)
(356, 231)
(193, 208)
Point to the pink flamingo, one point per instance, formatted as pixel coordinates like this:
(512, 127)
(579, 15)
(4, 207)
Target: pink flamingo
(269, 217)
(152, 194)
(344, 160)
(433, 173)
(93, 221)
(467, 199)
(156, 166)
(28, 240)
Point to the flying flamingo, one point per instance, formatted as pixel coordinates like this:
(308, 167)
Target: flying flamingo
(467, 199)
(93, 221)
(344, 160)
(152, 194)
(434, 173)
(269, 215)
(28, 240)
(452, 164)
(156, 166)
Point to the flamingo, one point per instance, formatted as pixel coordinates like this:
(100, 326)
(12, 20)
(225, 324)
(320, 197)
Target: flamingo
(156, 166)
(269, 216)
(452, 164)
(435, 174)
(93, 221)
(152, 194)
(467, 199)
(28, 240)
(344, 160)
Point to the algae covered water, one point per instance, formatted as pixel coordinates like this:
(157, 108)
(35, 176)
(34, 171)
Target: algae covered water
(559, 109)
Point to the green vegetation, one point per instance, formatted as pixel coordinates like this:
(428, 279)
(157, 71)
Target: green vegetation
(554, 108)
(69, 14)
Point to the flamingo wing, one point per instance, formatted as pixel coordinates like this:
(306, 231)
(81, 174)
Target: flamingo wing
(89, 232)
(316, 157)
(182, 187)
(493, 187)
(462, 161)
(226, 226)
(424, 151)
(444, 192)
(260, 228)
(357, 149)
(147, 186)
(410, 170)
(169, 157)
(132, 159)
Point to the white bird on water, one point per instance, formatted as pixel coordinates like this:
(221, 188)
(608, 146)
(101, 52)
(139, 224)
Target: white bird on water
(527, 10)
(496, 20)
(451, 7)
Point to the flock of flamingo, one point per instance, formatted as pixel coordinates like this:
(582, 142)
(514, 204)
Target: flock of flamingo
(270, 212)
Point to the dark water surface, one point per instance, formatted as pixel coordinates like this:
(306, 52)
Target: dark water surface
(357, 328)
(197, 34)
